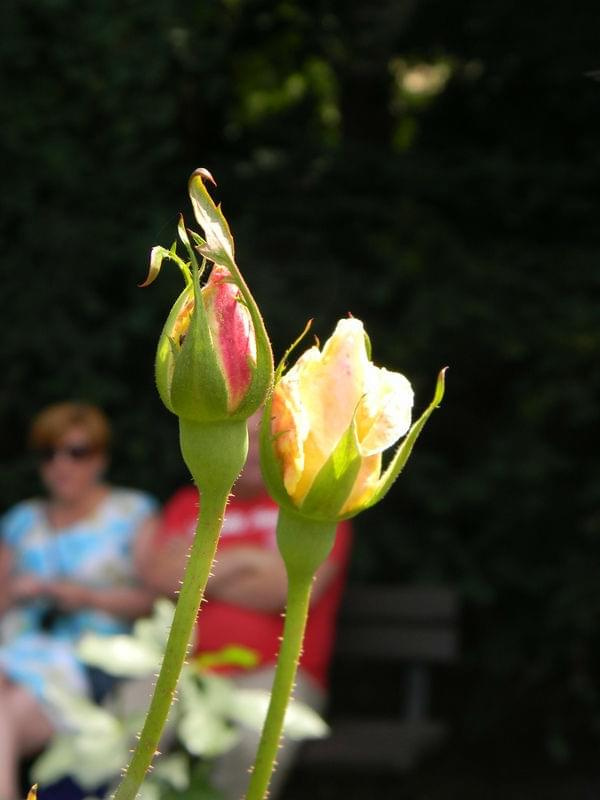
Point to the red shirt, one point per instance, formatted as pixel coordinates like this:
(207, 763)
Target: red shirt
(253, 522)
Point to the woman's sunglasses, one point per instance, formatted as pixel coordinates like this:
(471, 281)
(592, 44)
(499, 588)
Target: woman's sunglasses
(75, 452)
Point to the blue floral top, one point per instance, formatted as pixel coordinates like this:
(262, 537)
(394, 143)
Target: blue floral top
(37, 645)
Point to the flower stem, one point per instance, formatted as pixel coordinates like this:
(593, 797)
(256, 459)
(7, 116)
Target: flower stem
(304, 545)
(214, 453)
(194, 582)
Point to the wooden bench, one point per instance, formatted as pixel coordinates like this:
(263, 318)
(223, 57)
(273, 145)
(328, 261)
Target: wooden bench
(389, 641)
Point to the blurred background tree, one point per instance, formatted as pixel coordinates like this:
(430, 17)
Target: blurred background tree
(430, 167)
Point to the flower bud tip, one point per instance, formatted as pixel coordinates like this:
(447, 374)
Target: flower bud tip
(202, 172)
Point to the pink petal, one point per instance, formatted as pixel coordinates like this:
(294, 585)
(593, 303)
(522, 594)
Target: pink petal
(233, 333)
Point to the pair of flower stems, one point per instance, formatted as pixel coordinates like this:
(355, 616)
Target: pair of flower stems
(304, 545)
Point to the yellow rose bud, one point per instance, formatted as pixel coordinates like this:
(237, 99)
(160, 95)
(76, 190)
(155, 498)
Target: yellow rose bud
(330, 418)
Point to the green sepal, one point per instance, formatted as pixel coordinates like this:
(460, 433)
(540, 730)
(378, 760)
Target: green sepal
(333, 484)
(404, 450)
(283, 363)
(157, 255)
(198, 240)
(167, 351)
(198, 388)
(218, 247)
(183, 235)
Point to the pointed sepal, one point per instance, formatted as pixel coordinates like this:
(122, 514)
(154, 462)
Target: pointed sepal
(169, 345)
(404, 450)
(218, 247)
(334, 481)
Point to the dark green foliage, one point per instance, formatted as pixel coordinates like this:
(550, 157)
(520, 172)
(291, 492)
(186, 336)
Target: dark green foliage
(461, 226)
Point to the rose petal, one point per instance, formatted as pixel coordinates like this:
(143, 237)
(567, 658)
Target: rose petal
(289, 428)
(365, 483)
(233, 333)
(333, 384)
(384, 412)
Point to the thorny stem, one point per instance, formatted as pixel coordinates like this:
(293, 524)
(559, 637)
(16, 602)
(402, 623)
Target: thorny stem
(192, 590)
(304, 545)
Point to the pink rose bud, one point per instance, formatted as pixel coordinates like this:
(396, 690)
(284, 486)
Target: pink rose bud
(214, 358)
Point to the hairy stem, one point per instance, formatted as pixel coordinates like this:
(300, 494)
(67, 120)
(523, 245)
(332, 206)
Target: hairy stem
(194, 582)
(295, 623)
(304, 545)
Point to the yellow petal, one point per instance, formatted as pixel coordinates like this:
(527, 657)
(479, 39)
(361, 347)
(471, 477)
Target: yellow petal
(316, 402)
(333, 383)
(289, 428)
(384, 412)
(313, 461)
(365, 484)
(182, 322)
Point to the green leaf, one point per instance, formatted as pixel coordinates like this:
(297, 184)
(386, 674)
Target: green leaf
(232, 655)
(93, 750)
(78, 713)
(150, 789)
(55, 761)
(174, 770)
(205, 706)
(301, 721)
(203, 734)
(135, 655)
(99, 759)
(124, 656)
(210, 691)
(154, 630)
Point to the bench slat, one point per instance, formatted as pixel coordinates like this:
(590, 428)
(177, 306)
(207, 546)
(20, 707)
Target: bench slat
(433, 643)
(374, 744)
(410, 603)
(412, 628)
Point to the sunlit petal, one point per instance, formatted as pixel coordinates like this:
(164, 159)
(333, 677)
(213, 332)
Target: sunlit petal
(384, 412)
(326, 394)
(232, 332)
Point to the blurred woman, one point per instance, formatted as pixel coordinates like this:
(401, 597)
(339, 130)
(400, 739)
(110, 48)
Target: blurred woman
(67, 567)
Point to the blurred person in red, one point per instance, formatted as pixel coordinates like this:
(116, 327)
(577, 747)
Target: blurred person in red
(245, 601)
